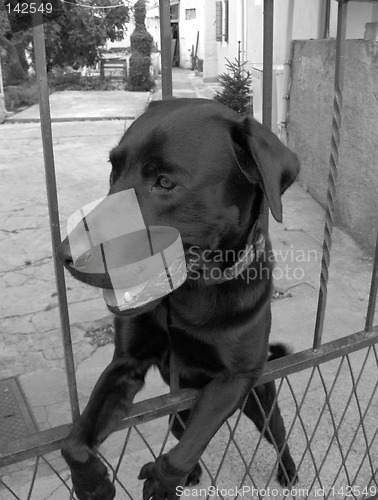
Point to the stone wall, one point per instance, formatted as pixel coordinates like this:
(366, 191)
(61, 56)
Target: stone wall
(310, 122)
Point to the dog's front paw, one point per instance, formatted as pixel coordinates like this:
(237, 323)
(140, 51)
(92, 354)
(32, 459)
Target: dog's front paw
(194, 477)
(287, 477)
(161, 480)
(103, 491)
(94, 486)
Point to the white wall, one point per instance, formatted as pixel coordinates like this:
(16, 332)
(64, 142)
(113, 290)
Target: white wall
(153, 24)
(293, 20)
(210, 64)
(188, 30)
(254, 32)
(229, 49)
(305, 24)
(359, 13)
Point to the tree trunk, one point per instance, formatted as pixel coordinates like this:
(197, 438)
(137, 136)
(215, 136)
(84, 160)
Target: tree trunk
(17, 72)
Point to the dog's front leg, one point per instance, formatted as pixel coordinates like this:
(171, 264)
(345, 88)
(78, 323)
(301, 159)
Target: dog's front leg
(110, 401)
(219, 399)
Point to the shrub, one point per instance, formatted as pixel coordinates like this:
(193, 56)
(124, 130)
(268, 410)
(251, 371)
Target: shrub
(63, 81)
(236, 93)
(139, 74)
(21, 96)
(140, 13)
(141, 41)
(92, 83)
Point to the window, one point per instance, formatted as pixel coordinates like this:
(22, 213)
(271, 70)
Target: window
(221, 20)
(218, 21)
(175, 12)
(190, 14)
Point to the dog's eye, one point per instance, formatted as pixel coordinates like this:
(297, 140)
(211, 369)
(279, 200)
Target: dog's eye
(164, 182)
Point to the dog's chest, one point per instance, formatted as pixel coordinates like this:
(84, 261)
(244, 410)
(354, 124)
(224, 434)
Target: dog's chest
(195, 361)
(196, 353)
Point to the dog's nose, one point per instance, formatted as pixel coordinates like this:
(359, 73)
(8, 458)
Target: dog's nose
(64, 253)
(74, 258)
(82, 261)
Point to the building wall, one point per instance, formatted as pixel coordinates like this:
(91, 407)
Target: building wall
(229, 49)
(304, 24)
(310, 129)
(359, 13)
(188, 29)
(210, 58)
(153, 25)
(293, 20)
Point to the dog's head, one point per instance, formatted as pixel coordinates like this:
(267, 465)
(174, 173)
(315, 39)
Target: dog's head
(199, 167)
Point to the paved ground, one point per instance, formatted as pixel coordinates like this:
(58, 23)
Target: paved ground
(30, 340)
(90, 105)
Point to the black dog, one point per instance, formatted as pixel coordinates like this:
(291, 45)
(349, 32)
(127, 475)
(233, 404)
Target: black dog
(205, 170)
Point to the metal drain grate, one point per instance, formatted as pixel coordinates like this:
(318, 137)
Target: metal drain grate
(16, 418)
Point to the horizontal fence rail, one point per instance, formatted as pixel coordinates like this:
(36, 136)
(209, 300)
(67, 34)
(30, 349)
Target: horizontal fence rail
(307, 382)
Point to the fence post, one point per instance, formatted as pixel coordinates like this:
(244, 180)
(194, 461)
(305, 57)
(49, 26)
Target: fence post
(267, 80)
(268, 63)
(333, 166)
(52, 200)
(2, 102)
(166, 50)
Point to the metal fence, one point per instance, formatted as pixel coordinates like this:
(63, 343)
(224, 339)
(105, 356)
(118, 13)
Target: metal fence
(338, 380)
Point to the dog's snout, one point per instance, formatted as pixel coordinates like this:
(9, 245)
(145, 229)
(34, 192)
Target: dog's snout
(64, 253)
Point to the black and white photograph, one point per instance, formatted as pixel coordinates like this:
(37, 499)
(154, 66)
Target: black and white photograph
(189, 249)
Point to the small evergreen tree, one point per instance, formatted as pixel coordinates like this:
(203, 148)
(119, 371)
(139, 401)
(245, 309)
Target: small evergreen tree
(236, 83)
(141, 45)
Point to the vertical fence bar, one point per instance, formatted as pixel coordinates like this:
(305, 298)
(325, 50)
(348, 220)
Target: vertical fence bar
(334, 163)
(373, 292)
(52, 200)
(166, 48)
(2, 99)
(166, 85)
(267, 80)
(268, 63)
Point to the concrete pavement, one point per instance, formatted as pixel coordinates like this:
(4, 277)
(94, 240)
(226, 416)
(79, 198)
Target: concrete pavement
(30, 340)
(89, 105)
(187, 84)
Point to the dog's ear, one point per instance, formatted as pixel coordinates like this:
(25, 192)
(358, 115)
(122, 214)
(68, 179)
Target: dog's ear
(276, 164)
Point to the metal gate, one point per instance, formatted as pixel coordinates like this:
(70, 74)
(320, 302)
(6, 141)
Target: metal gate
(330, 384)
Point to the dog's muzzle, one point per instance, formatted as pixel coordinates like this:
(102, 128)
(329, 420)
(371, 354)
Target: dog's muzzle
(109, 237)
